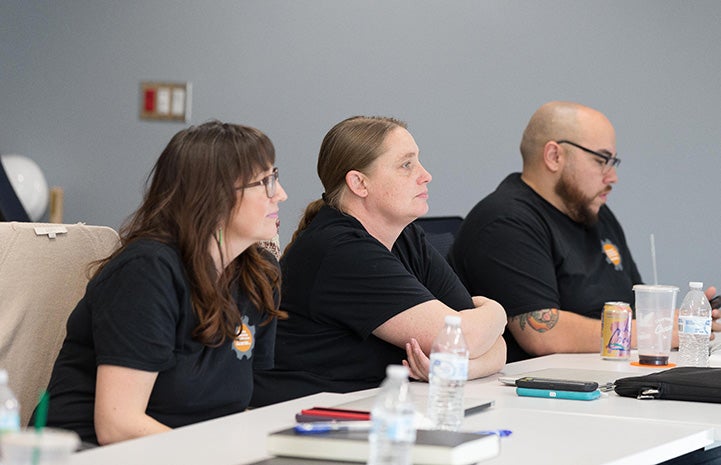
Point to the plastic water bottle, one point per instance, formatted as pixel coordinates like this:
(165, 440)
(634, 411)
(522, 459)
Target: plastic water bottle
(447, 377)
(9, 406)
(393, 430)
(694, 327)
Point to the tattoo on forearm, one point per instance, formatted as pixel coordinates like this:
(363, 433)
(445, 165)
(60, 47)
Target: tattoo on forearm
(540, 320)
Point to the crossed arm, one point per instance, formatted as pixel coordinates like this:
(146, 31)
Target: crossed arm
(416, 328)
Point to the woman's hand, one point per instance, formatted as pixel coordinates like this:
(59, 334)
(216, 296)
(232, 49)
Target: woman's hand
(418, 364)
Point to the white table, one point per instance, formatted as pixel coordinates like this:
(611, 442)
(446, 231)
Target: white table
(612, 405)
(230, 440)
(610, 430)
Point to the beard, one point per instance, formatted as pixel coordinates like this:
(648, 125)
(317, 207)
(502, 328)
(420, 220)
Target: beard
(577, 203)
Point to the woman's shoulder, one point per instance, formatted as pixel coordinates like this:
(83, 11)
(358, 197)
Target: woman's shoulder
(141, 264)
(413, 236)
(150, 248)
(331, 226)
(334, 237)
(145, 253)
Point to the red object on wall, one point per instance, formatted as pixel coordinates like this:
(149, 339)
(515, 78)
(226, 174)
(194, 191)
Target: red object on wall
(149, 100)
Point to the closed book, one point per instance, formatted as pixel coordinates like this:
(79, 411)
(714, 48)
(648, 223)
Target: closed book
(432, 447)
(298, 461)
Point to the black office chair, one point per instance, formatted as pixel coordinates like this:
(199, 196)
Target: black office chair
(10, 207)
(440, 231)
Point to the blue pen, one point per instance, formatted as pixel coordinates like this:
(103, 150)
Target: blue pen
(499, 432)
(320, 427)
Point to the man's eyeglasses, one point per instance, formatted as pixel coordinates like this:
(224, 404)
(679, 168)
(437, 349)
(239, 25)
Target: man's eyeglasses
(609, 161)
(270, 182)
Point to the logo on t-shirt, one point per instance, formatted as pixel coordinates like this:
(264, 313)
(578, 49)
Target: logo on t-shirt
(245, 340)
(613, 257)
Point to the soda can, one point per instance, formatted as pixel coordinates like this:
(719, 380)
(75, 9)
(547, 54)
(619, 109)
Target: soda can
(616, 331)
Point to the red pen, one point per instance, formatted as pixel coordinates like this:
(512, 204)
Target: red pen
(337, 413)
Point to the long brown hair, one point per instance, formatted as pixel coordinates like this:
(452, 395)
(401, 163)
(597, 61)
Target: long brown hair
(353, 144)
(189, 193)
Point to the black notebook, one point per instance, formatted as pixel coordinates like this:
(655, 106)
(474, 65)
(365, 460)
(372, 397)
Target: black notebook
(432, 447)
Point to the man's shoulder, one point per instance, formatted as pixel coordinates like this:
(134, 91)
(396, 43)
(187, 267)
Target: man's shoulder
(511, 199)
(605, 214)
(607, 219)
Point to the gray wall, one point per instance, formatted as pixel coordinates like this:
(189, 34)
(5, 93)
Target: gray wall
(465, 75)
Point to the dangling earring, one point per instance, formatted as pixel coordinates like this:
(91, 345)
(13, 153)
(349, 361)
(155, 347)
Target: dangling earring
(220, 237)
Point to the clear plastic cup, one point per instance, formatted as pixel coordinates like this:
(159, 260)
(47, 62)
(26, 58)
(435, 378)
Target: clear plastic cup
(29, 447)
(655, 306)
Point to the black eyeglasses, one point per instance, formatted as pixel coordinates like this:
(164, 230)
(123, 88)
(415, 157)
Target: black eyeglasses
(609, 161)
(270, 183)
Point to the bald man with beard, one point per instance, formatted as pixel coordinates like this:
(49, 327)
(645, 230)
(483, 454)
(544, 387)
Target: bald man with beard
(545, 245)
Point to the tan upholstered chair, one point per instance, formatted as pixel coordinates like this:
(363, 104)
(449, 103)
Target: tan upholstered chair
(43, 274)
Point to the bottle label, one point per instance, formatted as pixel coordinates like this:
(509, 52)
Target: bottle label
(402, 430)
(449, 366)
(694, 325)
(9, 421)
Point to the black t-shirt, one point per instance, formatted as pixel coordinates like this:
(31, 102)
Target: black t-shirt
(137, 313)
(518, 249)
(340, 284)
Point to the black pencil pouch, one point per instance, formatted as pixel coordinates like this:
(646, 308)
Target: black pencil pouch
(682, 383)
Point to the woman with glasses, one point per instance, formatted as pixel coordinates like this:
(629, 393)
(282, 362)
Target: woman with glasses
(361, 285)
(174, 322)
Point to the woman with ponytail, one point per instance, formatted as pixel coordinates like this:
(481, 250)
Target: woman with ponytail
(173, 324)
(361, 285)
